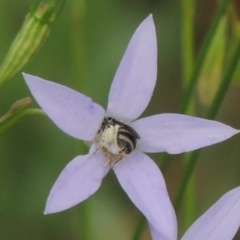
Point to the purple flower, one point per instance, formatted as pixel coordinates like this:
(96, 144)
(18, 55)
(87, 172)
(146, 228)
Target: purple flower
(118, 139)
(220, 222)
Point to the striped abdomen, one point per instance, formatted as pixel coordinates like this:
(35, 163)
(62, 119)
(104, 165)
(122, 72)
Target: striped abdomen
(126, 139)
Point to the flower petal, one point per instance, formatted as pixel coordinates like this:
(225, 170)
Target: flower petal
(135, 78)
(177, 133)
(78, 180)
(156, 235)
(142, 180)
(220, 222)
(72, 112)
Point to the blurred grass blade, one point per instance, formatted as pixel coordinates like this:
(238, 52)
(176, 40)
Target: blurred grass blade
(210, 76)
(192, 160)
(139, 229)
(225, 83)
(221, 10)
(235, 25)
(188, 9)
(33, 33)
(78, 46)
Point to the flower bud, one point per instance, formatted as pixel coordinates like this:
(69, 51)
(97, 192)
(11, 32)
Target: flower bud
(33, 33)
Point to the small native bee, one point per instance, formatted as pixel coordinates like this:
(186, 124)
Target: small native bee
(116, 139)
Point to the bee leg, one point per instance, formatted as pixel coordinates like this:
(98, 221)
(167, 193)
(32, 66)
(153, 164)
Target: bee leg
(116, 161)
(100, 145)
(108, 156)
(121, 151)
(108, 161)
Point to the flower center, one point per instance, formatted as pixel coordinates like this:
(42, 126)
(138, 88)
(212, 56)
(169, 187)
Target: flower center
(116, 140)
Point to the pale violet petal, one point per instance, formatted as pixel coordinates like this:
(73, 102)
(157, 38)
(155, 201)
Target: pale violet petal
(72, 112)
(177, 133)
(135, 78)
(142, 180)
(78, 180)
(156, 235)
(220, 222)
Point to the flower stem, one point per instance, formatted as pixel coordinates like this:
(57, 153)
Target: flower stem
(12, 121)
(78, 42)
(187, 15)
(188, 8)
(187, 103)
(16, 107)
(192, 160)
(139, 229)
(203, 53)
(212, 111)
(189, 167)
(190, 202)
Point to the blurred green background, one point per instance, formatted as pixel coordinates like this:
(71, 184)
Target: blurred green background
(83, 51)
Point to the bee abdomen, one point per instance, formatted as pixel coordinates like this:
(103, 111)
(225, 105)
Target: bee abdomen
(126, 140)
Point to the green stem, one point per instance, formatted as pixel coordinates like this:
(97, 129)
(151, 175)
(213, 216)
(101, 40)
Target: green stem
(187, 27)
(78, 43)
(77, 31)
(188, 11)
(190, 199)
(190, 202)
(12, 121)
(203, 53)
(192, 160)
(185, 105)
(139, 229)
(83, 216)
(225, 83)
(189, 167)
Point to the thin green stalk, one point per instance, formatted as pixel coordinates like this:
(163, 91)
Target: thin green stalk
(185, 105)
(188, 8)
(16, 107)
(188, 11)
(20, 115)
(190, 199)
(139, 229)
(192, 160)
(221, 10)
(224, 84)
(190, 202)
(77, 31)
(78, 43)
(189, 167)
(85, 226)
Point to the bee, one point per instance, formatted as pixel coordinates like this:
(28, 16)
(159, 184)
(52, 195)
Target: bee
(116, 139)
